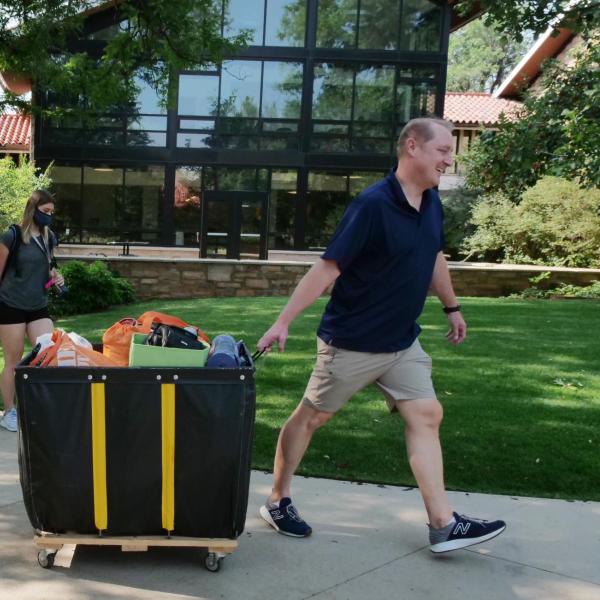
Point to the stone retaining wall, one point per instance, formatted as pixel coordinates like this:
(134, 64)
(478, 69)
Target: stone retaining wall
(203, 278)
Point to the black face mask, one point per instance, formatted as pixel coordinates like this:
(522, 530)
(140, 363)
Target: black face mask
(41, 219)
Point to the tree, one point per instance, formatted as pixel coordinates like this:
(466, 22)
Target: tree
(17, 182)
(479, 59)
(556, 133)
(48, 43)
(514, 17)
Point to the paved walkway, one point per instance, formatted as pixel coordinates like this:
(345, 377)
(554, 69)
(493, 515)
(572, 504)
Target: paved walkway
(369, 542)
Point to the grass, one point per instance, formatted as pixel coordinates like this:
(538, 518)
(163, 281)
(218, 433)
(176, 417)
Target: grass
(521, 395)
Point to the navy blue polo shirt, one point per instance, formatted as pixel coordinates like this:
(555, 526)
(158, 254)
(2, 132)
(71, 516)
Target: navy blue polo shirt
(386, 251)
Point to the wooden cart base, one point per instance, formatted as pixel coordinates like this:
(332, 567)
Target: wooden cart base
(51, 543)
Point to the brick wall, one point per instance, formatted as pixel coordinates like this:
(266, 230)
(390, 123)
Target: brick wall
(204, 278)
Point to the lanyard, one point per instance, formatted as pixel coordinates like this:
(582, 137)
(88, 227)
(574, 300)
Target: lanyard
(42, 246)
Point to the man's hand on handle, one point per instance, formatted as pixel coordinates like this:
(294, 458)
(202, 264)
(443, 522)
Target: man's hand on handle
(277, 334)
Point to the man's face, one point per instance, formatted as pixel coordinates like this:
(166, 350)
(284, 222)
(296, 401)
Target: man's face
(435, 156)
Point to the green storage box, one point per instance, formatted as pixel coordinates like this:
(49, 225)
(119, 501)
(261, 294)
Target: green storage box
(141, 355)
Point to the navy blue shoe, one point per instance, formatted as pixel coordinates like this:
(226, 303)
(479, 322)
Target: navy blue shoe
(465, 532)
(285, 519)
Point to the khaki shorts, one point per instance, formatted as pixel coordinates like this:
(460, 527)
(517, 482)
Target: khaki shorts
(339, 374)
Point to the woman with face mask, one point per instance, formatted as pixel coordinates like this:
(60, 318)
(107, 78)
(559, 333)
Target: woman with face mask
(24, 290)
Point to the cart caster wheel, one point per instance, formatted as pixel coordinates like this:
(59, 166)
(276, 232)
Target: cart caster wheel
(212, 562)
(46, 559)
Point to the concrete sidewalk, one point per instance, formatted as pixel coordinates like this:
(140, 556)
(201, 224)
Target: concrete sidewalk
(369, 542)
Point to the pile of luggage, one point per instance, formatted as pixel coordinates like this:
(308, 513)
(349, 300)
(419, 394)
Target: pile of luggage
(152, 340)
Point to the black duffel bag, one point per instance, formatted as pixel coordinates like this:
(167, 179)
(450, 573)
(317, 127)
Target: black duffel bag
(171, 336)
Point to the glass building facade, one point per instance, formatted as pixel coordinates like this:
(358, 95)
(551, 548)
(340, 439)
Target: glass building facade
(300, 122)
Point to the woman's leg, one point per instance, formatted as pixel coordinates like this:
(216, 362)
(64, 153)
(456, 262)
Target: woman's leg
(37, 328)
(12, 338)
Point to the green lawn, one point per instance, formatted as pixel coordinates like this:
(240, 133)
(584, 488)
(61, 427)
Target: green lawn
(521, 395)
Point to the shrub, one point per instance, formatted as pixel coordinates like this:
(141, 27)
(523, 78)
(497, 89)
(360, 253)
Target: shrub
(458, 206)
(17, 182)
(556, 224)
(91, 287)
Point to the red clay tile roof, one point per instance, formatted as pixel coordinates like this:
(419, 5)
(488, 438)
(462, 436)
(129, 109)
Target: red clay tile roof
(15, 132)
(476, 108)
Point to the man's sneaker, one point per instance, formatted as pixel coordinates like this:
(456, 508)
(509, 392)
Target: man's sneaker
(465, 532)
(285, 519)
(9, 420)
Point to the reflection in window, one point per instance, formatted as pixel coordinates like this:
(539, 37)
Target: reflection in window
(328, 196)
(332, 92)
(282, 90)
(245, 15)
(326, 201)
(140, 211)
(378, 24)
(336, 24)
(66, 187)
(283, 209)
(240, 89)
(188, 194)
(225, 178)
(198, 95)
(421, 26)
(415, 100)
(286, 23)
(374, 94)
(102, 193)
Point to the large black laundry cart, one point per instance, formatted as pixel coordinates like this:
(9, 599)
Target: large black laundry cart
(136, 457)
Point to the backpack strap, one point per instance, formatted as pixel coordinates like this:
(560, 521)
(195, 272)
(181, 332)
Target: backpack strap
(14, 247)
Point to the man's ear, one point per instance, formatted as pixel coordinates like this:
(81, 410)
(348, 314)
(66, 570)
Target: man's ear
(411, 146)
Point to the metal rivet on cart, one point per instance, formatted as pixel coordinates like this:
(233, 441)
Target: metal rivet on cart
(175, 377)
(242, 377)
(103, 377)
(90, 377)
(159, 377)
(25, 376)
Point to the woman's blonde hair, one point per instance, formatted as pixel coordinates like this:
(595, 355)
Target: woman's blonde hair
(37, 199)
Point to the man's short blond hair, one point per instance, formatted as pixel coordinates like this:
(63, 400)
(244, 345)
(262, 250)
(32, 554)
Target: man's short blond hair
(420, 129)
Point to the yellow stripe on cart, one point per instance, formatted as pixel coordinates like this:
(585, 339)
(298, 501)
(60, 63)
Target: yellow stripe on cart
(168, 455)
(99, 456)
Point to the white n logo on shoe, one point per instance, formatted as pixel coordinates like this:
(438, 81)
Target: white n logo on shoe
(461, 529)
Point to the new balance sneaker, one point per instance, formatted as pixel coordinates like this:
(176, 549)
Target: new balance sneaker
(464, 532)
(9, 420)
(285, 519)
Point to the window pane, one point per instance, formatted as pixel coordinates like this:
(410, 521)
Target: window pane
(332, 92)
(282, 90)
(186, 202)
(417, 100)
(245, 14)
(147, 138)
(286, 22)
(336, 24)
(283, 209)
(147, 99)
(421, 26)
(195, 140)
(240, 89)
(378, 24)
(150, 123)
(139, 213)
(375, 94)
(239, 179)
(102, 192)
(193, 124)
(326, 202)
(361, 180)
(198, 95)
(66, 186)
